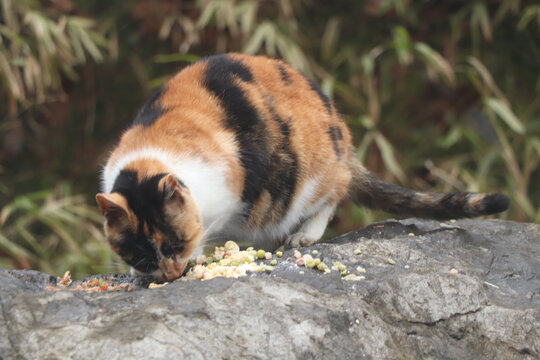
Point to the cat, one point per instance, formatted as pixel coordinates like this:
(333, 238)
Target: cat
(243, 147)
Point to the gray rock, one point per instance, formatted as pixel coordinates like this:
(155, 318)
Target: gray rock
(413, 309)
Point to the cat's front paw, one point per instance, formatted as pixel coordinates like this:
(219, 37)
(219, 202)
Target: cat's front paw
(299, 240)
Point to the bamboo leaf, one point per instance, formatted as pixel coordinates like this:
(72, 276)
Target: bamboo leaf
(41, 29)
(166, 27)
(506, 114)
(389, 159)
(15, 250)
(9, 77)
(89, 45)
(255, 42)
(76, 45)
(327, 86)
(368, 65)
(480, 19)
(486, 77)
(247, 13)
(362, 149)
(330, 38)
(436, 61)
(9, 16)
(505, 8)
(270, 40)
(402, 45)
(207, 13)
(529, 14)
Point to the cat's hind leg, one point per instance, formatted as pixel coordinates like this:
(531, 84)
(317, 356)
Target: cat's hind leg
(311, 230)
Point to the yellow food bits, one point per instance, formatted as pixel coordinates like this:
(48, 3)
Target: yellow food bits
(227, 261)
(322, 266)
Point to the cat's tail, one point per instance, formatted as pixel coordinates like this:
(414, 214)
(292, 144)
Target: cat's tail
(368, 190)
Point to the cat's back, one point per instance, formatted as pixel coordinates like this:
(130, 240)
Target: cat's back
(278, 138)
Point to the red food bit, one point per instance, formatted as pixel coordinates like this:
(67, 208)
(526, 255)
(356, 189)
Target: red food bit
(66, 279)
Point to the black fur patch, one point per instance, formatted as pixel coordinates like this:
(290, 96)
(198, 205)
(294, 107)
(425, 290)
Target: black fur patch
(495, 203)
(285, 77)
(223, 65)
(146, 202)
(337, 136)
(138, 251)
(322, 96)
(144, 198)
(221, 77)
(151, 110)
(283, 168)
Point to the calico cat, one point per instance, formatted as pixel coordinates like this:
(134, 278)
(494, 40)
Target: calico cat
(243, 147)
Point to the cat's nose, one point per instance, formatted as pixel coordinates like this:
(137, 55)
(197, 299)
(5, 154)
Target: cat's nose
(171, 269)
(170, 276)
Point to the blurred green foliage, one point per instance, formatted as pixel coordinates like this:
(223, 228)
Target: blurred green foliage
(439, 95)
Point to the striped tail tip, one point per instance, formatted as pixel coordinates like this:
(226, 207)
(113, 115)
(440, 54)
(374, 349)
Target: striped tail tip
(494, 204)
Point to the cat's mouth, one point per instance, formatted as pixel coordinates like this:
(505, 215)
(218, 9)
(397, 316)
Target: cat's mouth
(170, 269)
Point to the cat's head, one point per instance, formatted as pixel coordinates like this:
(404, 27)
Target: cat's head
(152, 223)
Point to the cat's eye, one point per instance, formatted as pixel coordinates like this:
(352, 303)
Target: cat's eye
(171, 250)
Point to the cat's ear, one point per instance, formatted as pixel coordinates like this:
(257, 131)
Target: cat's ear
(114, 207)
(174, 188)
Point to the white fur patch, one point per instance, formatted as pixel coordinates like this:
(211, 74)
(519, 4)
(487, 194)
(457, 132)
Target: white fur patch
(207, 183)
(301, 209)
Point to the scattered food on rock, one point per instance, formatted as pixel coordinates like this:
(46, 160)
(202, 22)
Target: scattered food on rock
(156, 285)
(90, 286)
(229, 261)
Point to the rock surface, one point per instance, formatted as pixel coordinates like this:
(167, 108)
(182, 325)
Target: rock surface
(413, 309)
